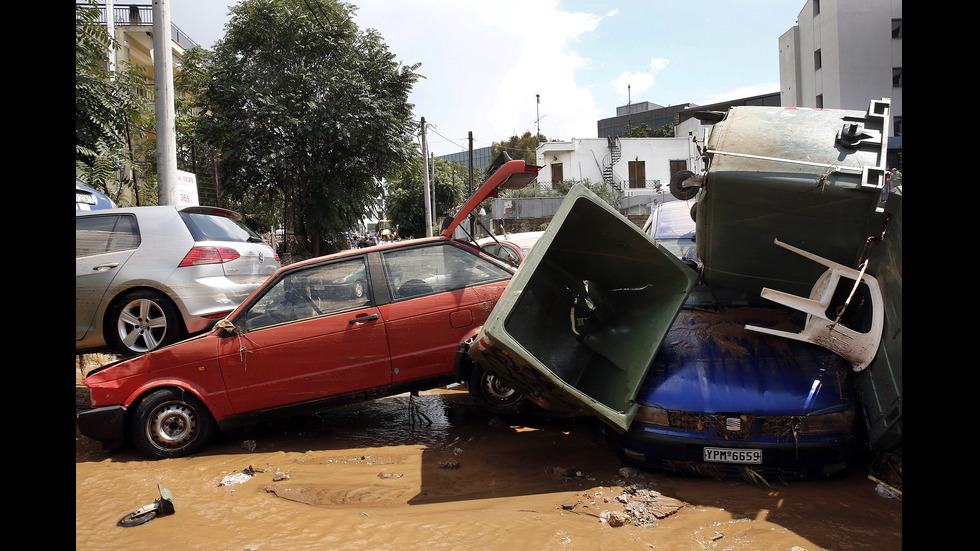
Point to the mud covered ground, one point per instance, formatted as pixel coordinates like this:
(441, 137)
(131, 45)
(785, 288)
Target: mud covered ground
(378, 476)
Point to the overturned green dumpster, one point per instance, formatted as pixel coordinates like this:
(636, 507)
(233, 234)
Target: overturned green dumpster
(580, 322)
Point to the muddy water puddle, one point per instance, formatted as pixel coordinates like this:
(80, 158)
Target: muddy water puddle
(436, 473)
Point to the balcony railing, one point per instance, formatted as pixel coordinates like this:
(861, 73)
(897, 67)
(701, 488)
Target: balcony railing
(128, 15)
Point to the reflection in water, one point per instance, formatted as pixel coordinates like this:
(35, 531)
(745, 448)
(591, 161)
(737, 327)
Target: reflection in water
(394, 421)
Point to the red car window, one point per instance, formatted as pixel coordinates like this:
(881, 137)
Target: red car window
(316, 291)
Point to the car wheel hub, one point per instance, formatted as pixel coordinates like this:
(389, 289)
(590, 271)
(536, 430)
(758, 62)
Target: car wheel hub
(172, 425)
(496, 390)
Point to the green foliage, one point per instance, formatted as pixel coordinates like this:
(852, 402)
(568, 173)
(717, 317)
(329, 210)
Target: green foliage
(519, 147)
(108, 107)
(561, 189)
(644, 131)
(405, 195)
(307, 113)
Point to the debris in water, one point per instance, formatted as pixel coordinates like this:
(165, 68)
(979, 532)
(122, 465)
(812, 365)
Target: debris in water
(389, 475)
(627, 472)
(239, 478)
(448, 464)
(163, 506)
(614, 518)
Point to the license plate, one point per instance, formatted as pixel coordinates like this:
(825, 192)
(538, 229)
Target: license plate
(729, 455)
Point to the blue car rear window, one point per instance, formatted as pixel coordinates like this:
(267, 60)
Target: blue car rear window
(206, 227)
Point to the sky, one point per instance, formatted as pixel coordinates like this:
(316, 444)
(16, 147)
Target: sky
(497, 68)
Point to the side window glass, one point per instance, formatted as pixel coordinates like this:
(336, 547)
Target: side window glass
(105, 234)
(435, 269)
(313, 292)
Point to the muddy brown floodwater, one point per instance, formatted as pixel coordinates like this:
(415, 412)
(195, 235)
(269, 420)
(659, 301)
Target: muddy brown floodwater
(371, 477)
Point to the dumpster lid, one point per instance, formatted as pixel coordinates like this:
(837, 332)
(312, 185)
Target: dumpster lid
(504, 174)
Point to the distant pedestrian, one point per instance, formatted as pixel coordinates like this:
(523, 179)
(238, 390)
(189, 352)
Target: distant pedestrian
(895, 177)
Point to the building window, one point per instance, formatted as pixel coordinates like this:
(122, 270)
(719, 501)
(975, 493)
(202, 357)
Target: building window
(817, 62)
(557, 174)
(898, 126)
(819, 101)
(896, 77)
(816, 8)
(638, 174)
(896, 28)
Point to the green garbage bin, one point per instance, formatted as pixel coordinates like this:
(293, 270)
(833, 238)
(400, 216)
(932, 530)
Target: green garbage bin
(812, 178)
(579, 324)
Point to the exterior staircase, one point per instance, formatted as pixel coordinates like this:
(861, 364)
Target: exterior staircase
(607, 169)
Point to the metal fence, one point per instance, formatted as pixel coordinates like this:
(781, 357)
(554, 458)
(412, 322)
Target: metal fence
(142, 15)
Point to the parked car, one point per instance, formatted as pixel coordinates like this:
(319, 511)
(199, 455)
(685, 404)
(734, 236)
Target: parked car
(87, 198)
(147, 276)
(511, 247)
(295, 345)
(720, 399)
(671, 225)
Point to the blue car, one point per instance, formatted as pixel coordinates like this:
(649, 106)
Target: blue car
(725, 402)
(87, 198)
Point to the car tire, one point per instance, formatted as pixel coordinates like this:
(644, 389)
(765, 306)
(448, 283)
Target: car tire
(140, 321)
(358, 289)
(490, 393)
(171, 423)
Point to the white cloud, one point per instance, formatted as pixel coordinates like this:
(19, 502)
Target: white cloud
(485, 62)
(628, 83)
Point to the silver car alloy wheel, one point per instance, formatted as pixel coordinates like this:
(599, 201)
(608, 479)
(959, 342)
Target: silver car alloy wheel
(142, 325)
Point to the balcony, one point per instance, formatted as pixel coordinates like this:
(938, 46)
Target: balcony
(137, 15)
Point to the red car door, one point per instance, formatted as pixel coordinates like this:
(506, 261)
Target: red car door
(440, 294)
(314, 334)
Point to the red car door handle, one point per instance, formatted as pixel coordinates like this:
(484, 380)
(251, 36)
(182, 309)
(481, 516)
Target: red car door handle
(360, 319)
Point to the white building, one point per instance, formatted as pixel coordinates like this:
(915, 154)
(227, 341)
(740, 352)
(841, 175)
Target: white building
(638, 167)
(842, 54)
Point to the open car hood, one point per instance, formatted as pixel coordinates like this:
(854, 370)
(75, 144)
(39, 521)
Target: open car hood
(579, 324)
(504, 174)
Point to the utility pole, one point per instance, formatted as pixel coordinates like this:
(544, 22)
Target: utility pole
(163, 89)
(471, 161)
(537, 120)
(425, 181)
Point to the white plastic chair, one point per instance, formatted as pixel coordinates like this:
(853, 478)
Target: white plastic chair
(857, 348)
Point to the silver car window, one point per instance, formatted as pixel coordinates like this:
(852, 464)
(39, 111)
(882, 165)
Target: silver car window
(206, 227)
(105, 234)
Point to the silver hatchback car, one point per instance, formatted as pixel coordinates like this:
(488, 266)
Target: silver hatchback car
(146, 277)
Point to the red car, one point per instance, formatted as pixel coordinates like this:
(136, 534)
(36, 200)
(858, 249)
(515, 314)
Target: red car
(353, 326)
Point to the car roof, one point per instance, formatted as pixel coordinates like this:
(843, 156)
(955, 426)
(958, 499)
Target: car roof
(97, 200)
(672, 220)
(194, 209)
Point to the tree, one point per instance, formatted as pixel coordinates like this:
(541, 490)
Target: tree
(405, 195)
(519, 147)
(644, 131)
(108, 107)
(306, 112)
